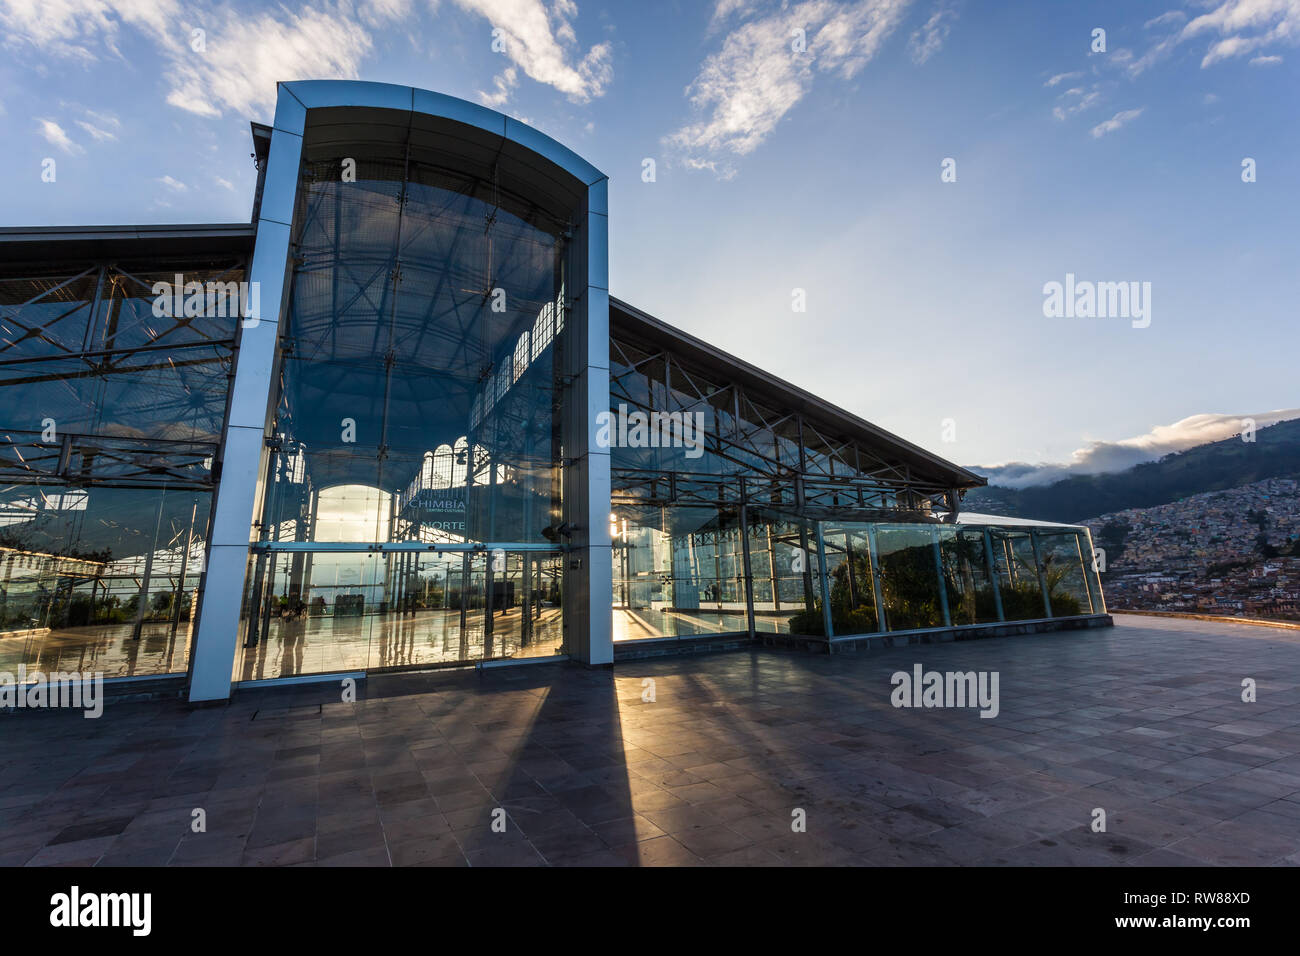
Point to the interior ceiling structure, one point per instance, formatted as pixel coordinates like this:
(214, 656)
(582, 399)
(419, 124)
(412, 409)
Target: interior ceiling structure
(391, 320)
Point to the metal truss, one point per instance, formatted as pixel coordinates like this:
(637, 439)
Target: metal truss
(135, 399)
(786, 460)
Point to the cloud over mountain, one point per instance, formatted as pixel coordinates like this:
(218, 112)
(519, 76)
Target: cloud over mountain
(1103, 457)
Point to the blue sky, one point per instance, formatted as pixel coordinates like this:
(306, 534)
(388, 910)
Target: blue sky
(779, 169)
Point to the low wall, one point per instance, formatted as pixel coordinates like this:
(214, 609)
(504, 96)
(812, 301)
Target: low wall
(937, 635)
(667, 646)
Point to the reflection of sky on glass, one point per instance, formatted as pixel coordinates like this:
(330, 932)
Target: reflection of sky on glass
(352, 513)
(333, 574)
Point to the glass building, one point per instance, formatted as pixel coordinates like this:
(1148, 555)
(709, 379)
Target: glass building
(397, 421)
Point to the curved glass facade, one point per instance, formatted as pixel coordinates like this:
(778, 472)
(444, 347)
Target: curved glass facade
(418, 403)
(419, 372)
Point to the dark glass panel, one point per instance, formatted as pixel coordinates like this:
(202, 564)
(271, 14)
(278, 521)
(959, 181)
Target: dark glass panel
(1063, 573)
(849, 570)
(425, 322)
(909, 577)
(966, 576)
(1022, 593)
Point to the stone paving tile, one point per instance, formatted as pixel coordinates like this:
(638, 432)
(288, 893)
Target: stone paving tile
(1143, 721)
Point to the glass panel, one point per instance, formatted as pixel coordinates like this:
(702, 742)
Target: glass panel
(99, 579)
(424, 339)
(966, 576)
(787, 581)
(179, 396)
(678, 571)
(524, 605)
(853, 598)
(1088, 552)
(1022, 595)
(320, 612)
(1063, 572)
(908, 577)
(46, 315)
(112, 412)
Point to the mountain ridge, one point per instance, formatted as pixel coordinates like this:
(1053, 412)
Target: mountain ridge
(1214, 466)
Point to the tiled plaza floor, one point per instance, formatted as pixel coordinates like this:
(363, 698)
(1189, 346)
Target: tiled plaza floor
(1144, 720)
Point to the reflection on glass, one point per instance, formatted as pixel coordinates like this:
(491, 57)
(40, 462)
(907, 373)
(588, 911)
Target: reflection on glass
(1063, 573)
(678, 571)
(851, 581)
(103, 517)
(966, 576)
(325, 612)
(1087, 555)
(419, 396)
(787, 576)
(916, 575)
(113, 595)
(909, 578)
(1018, 579)
(419, 403)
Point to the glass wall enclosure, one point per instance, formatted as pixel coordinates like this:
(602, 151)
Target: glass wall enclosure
(111, 409)
(680, 572)
(414, 479)
(737, 509)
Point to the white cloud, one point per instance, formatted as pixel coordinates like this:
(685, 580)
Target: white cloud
(1115, 122)
(102, 127)
(1244, 26)
(55, 135)
(175, 185)
(98, 134)
(1136, 66)
(1265, 61)
(929, 39)
(724, 9)
(381, 13)
(1076, 100)
(1061, 78)
(248, 50)
(224, 183)
(538, 41)
(505, 84)
(1103, 457)
(1170, 16)
(247, 54)
(744, 89)
(79, 28)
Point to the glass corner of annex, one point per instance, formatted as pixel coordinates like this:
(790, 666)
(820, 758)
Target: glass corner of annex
(396, 421)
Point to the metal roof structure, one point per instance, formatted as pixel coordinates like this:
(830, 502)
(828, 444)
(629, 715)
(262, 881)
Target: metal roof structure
(628, 321)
